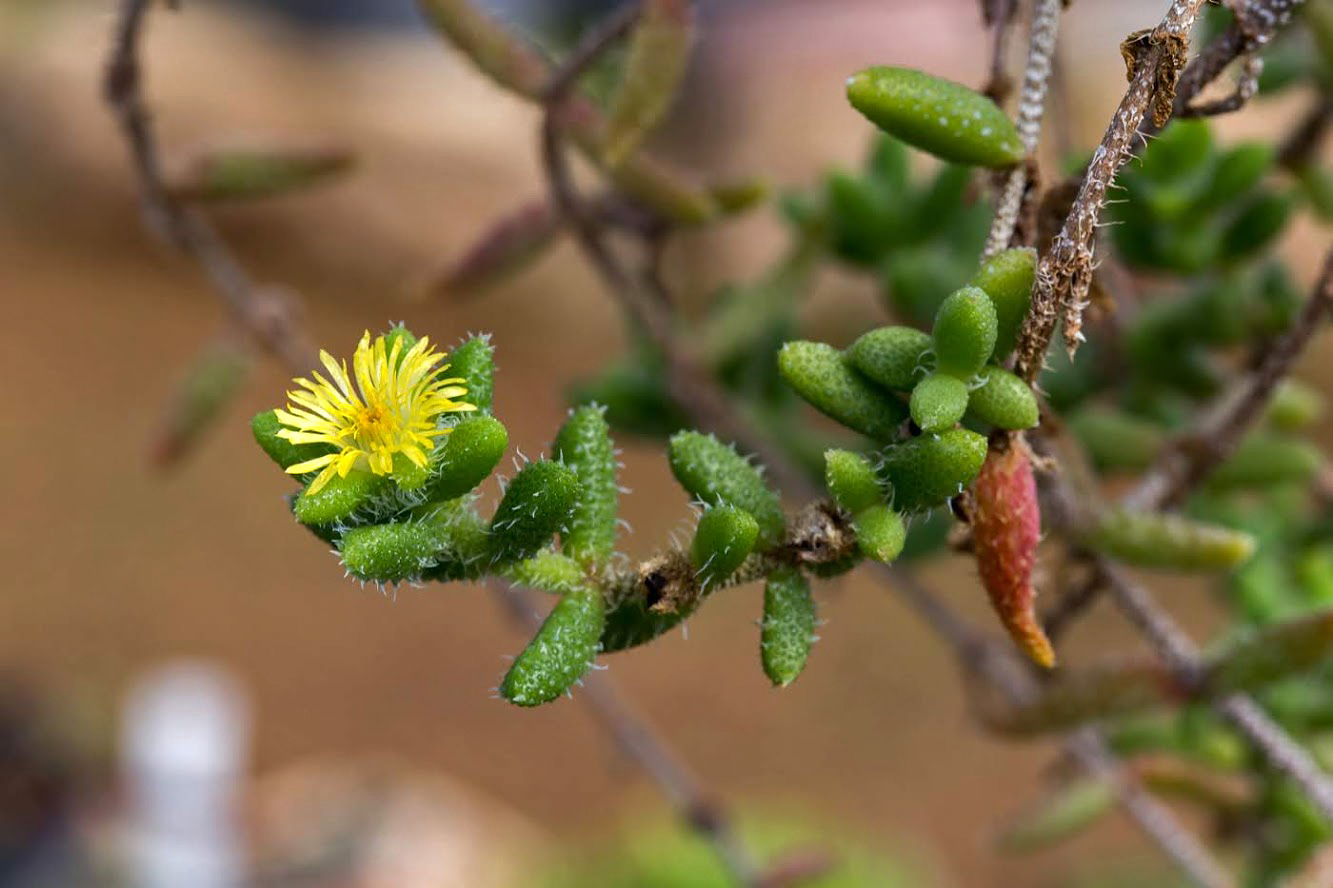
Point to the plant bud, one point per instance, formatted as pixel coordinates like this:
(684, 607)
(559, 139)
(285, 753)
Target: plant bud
(894, 357)
(536, 505)
(851, 481)
(821, 376)
(584, 444)
(940, 116)
(722, 541)
(928, 470)
(560, 653)
(1007, 278)
(964, 332)
(938, 402)
(716, 474)
(213, 381)
(788, 627)
(1003, 400)
(1006, 528)
(880, 533)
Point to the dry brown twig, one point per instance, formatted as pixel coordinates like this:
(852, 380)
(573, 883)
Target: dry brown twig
(1154, 60)
(262, 312)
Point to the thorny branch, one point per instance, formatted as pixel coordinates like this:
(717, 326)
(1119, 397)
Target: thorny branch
(1155, 59)
(262, 312)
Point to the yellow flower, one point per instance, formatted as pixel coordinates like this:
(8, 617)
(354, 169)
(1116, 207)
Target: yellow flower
(393, 409)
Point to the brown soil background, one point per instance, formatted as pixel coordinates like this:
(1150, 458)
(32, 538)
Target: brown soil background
(109, 566)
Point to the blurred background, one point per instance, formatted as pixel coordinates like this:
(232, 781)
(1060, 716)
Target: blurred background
(345, 712)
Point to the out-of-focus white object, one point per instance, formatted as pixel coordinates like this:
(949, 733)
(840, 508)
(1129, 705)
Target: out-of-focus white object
(184, 751)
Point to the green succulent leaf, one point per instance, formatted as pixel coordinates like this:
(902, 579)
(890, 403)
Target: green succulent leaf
(469, 454)
(894, 357)
(1007, 278)
(945, 118)
(938, 402)
(826, 381)
(340, 498)
(1154, 539)
(964, 333)
(536, 505)
(724, 538)
(851, 481)
(880, 533)
(390, 553)
(929, 470)
(715, 474)
(474, 362)
(560, 653)
(788, 628)
(1003, 400)
(584, 444)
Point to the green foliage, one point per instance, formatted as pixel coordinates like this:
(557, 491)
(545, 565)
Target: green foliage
(1151, 539)
(341, 498)
(929, 470)
(894, 357)
(715, 474)
(1007, 278)
(1192, 206)
(787, 630)
(964, 333)
(584, 444)
(474, 362)
(560, 653)
(469, 454)
(666, 856)
(851, 480)
(537, 504)
(1003, 400)
(722, 541)
(940, 116)
(820, 375)
(390, 553)
(880, 533)
(938, 402)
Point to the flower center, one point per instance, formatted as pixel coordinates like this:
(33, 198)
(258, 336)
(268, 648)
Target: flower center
(375, 426)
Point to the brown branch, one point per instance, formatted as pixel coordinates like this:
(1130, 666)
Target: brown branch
(1303, 142)
(1187, 463)
(1031, 105)
(1254, 26)
(261, 312)
(1065, 272)
(687, 378)
(1085, 745)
